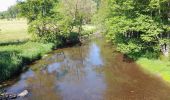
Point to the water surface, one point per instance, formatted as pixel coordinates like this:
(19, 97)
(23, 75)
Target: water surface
(92, 71)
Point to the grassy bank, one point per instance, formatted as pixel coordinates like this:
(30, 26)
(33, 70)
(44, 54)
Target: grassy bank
(159, 67)
(15, 48)
(14, 57)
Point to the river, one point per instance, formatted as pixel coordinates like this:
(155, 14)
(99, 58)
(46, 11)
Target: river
(92, 71)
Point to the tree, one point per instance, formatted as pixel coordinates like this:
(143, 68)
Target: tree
(11, 13)
(56, 20)
(42, 20)
(79, 12)
(136, 27)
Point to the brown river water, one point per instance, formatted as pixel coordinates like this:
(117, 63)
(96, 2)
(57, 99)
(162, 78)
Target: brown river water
(93, 71)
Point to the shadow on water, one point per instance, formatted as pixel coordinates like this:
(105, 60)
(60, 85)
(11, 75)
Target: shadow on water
(89, 72)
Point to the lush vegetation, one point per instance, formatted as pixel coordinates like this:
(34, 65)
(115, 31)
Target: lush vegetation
(15, 49)
(137, 27)
(50, 24)
(11, 13)
(14, 57)
(56, 21)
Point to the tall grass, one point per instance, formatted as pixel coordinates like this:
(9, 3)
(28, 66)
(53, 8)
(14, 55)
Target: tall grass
(15, 48)
(14, 57)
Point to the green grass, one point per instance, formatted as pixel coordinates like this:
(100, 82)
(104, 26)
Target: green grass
(15, 51)
(13, 30)
(14, 57)
(159, 67)
(89, 27)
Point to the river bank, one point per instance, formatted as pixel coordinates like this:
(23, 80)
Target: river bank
(16, 49)
(159, 67)
(14, 56)
(92, 71)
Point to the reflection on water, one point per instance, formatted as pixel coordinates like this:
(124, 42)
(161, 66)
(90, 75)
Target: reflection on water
(53, 67)
(21, 84)
(94, 55)
(89, 72)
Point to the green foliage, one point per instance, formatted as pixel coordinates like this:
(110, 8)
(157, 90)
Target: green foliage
(36, 9)
(135, 26)
(43, 22)
(13, 57)
(46, 30)
(11, 13)
(15, 48)
(77, 13)
(50, 22)
(88, 30)
(53, 20)
(101, 16)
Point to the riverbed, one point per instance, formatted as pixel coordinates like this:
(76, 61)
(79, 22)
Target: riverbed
(92, 71)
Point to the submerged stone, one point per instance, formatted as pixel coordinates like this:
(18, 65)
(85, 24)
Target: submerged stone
(23, 94)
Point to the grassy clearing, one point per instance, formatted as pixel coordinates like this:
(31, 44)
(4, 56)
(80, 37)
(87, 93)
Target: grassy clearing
(14, 30)
(159, 67)
(15, 52)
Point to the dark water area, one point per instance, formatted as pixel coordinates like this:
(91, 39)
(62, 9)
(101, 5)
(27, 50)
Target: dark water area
(92, 71)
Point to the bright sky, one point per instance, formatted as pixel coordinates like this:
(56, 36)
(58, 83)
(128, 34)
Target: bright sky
(4, 4)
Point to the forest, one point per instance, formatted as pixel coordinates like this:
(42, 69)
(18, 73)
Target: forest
(138, 29)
